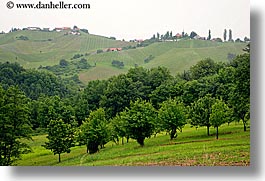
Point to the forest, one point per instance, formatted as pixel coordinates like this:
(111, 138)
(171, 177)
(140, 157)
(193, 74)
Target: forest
(136, 105)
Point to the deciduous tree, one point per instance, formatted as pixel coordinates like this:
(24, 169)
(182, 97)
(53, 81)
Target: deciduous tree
(60, 137)
(140, 120)
(220, 114)
(172, 116)
(14, 125)
(94, 131)
(200, 111)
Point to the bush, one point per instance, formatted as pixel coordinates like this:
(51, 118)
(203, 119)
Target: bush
(99, 51)
(117, 63)
(23, 38)
(149, 58)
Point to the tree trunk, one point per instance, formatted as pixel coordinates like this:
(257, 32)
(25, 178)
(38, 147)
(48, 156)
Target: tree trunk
(208, 130)
(217, 132)
(59, 157)
(173, 133)
(87, 147)
(245, 126)
(127, 139)
(140, 141)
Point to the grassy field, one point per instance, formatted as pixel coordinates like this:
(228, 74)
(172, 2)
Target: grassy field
(191, 148)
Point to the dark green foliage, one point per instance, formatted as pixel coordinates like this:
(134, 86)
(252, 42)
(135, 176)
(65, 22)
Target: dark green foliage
(139, 120)
(191, 91)
(93, 92)
(172, 117)
(209, 35)
(240, 99)
(76, 56)
(94, 131)
(225, 34)
(68, 69)
(230, 56)
(128, 47)
(230, 35)
(157, 76)
(25, 38)
(117, 63)
(32, 82)
(52, 108)
(112, 38)
(84, 30)
(83, 64)
(168, 89)
(63, 63)
(14, 125)
(193, 34)
(120, 91)
(204, 68)
(99, 51)
(118, 129)
(89, 99)
(148, 59)
(60, 137)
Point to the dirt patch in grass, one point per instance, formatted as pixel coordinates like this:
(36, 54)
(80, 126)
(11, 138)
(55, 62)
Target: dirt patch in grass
(192, 162)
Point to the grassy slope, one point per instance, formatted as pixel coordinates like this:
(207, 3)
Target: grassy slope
(177, 56)
(39, 51)
(192, 147)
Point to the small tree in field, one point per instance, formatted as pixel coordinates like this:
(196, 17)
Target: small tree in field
(60, 136)
(221, 114)
(139, 120)
(200, 112)
(172, 116)
(94, 131)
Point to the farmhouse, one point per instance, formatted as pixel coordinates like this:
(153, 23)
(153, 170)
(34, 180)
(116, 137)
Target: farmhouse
(114, 49)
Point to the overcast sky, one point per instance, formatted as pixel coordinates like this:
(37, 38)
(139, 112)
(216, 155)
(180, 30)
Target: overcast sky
(140, 19)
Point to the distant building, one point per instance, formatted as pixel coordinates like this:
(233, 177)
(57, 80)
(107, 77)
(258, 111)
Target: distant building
(33, 28)
(46, 29)
(66, 28)
(113, 49)
(178, 35)
(62, 29)
(58, 29)
(202, 38)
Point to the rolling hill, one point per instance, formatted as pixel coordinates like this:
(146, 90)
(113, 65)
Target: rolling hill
(48, 48)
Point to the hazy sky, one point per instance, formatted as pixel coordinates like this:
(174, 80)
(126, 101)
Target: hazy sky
(139, 19)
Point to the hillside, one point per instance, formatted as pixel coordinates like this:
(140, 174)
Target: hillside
(48, 48)
(176, 56)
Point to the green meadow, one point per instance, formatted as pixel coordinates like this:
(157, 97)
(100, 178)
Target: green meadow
(192, 147)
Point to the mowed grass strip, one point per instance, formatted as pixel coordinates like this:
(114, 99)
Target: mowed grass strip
(191, 148)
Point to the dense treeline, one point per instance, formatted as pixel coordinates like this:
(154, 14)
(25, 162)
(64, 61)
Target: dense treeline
(136, 105)
(32, 82)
